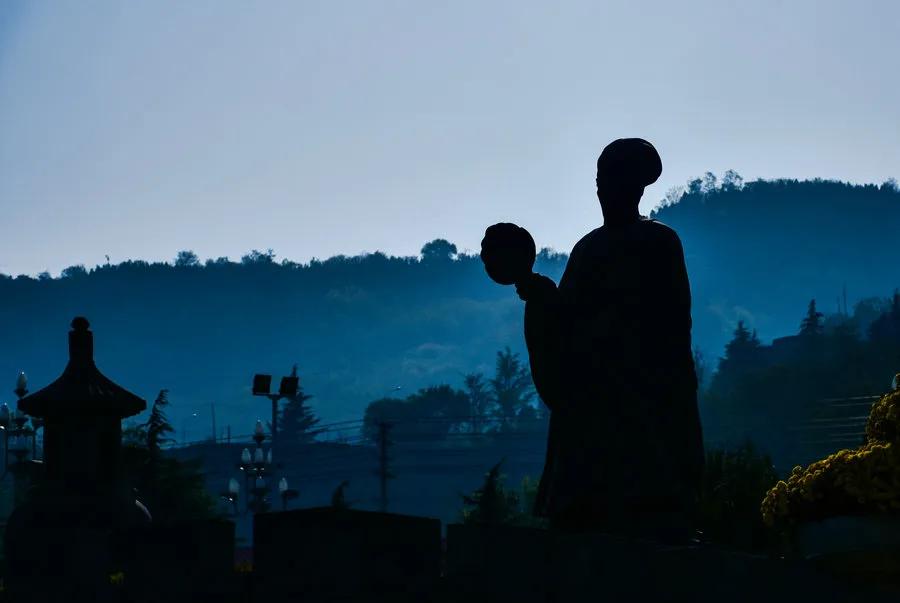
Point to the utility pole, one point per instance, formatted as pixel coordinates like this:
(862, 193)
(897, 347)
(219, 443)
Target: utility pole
(383, 472)
(212, 406)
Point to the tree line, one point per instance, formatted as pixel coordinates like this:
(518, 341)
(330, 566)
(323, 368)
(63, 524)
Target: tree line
(503, 403)
(771, 393)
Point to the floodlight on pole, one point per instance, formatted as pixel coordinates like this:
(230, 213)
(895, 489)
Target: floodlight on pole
(288, 387)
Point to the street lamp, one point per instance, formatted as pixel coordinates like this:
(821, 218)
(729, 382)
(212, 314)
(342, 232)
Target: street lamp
(232, 494)
(286, 493)
(21, 385)
(36, 422)
(15, 436)
(256, 467)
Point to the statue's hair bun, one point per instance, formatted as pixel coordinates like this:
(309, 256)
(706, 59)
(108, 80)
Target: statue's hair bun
(629, 162)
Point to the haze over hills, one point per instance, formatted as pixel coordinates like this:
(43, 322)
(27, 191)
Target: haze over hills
(360, 326)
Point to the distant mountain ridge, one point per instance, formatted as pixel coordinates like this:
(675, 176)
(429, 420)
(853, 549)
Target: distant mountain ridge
(360, 326)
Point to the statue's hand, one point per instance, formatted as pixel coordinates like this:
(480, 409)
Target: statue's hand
(508, 252)
(535, 287)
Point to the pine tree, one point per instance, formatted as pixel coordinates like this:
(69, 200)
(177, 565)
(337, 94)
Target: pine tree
(296, 421)
(158, 425)
(492, 503)
(743, 345)
(173, 489)
(811, 325)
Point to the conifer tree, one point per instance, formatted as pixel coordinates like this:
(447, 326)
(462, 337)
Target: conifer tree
(812, 322)
(158, 425)
(297, 422)
(744, 343)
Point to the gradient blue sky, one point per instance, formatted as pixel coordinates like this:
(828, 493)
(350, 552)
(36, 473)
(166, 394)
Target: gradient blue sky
(136, 129)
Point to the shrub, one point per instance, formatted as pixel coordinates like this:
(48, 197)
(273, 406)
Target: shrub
(493, 504)
(861, 481)
(733, 483)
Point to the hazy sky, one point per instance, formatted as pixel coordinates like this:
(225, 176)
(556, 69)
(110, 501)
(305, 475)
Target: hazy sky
(136, 129)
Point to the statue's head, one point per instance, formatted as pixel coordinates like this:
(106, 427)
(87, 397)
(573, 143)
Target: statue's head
(624, 168)
(508, 252)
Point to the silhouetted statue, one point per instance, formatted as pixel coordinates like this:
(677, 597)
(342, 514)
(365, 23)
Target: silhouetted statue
(610, 353)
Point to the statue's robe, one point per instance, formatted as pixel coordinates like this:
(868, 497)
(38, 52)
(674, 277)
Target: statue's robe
(610, 353)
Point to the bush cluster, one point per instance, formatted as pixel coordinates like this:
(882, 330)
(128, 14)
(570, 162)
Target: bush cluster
(860, 481)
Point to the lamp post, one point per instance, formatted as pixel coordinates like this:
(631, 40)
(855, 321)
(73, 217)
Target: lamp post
(256, 467)
(262, 385)
(16, 434)
(36, 422)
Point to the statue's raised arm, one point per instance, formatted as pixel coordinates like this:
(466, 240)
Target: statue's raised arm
(508, 252)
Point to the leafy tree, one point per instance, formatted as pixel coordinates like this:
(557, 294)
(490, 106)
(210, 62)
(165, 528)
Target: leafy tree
(887, 326)
(45, 276)
(258, 257)
(438, 250)
(709, 182)
(440, 402)
(674, 195)
(512, 388)
(297, 422)
(811, 325)
(732, 181)
(695, 187)
(479, 399)
(78, 270)
(187, 259)
(430, 413)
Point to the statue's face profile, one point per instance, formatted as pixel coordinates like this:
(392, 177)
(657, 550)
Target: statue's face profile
(614, 196)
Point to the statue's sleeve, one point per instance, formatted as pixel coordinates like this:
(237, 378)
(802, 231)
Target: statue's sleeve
(676, 315)
(545, 334)
(682, 374)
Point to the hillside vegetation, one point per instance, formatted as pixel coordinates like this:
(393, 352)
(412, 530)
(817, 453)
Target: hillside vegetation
(358, 327)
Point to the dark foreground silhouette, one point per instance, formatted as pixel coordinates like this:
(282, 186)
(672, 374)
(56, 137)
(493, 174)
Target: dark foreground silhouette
(610, 352)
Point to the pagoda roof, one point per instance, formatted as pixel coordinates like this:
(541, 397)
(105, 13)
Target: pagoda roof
(82, 389)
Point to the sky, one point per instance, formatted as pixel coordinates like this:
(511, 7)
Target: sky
(138, 129)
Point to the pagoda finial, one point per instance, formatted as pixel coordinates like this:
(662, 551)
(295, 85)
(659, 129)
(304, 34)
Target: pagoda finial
(81, 342)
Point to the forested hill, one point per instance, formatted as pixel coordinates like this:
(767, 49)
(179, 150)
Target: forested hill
(760, 251)
(356, 326)
(360, 326)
